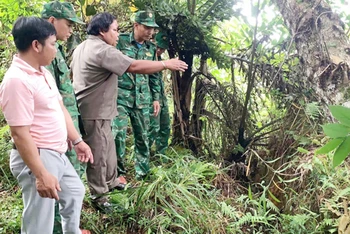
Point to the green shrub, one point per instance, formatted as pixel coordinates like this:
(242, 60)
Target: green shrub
(6, 179)
(10, 212)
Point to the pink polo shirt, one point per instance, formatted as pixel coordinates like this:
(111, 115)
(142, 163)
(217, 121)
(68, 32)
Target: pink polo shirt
(31, 97)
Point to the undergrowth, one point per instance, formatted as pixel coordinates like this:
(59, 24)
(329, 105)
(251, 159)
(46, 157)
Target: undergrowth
(186, 194)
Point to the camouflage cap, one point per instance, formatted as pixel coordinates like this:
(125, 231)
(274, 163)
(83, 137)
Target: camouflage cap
(162, 40)
(146, 18)
(60, 10)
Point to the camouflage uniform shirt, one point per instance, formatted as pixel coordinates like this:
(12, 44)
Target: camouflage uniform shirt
(60, 72)
(137, 90)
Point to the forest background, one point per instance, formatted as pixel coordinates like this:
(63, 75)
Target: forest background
(247, 119)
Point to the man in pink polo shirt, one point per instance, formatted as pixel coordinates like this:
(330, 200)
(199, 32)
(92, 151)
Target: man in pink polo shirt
(40, 127)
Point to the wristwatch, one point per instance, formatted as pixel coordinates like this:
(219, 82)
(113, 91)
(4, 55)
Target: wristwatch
(77, 141)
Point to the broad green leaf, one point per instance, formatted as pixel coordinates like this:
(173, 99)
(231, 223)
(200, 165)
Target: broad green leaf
(341, 113)
(331, 145)
(342, 152)
(335, 130)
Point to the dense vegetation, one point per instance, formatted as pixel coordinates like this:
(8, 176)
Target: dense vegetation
(246, 128)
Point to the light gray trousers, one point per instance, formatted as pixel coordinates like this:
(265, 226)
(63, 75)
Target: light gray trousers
(38, 212)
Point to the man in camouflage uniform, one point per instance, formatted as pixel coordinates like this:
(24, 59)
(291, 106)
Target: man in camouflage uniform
(159, 131)
(135, 94)
(63, 17)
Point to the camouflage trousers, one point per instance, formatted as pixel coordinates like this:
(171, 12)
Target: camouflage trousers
(79, 168)
(139, 119)
(159, 130)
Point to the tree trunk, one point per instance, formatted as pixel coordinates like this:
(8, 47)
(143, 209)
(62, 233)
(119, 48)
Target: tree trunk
(182, 86)
(195, 139)
(322, 46)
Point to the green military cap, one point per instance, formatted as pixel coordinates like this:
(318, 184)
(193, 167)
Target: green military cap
(60, 10)
(146, 18)
(162, 40)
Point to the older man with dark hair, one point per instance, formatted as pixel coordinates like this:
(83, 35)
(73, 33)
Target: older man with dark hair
(95, 67)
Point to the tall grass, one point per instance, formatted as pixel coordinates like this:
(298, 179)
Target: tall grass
(178, 197)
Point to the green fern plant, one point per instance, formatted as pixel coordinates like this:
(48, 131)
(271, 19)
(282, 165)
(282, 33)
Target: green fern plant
(260, 211)
(312, 110)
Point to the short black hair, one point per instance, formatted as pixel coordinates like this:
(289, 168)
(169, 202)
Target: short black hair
(28, 29)
(100, 23)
